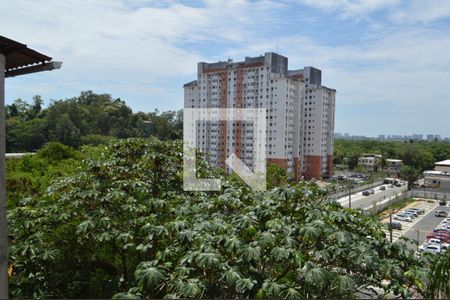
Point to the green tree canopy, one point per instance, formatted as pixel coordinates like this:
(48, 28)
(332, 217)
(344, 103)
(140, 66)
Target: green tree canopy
(123, 224)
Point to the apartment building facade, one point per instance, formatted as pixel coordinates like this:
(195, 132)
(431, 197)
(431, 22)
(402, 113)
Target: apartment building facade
(300, 113)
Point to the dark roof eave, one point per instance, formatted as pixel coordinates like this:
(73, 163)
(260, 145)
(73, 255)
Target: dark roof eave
(18, 55)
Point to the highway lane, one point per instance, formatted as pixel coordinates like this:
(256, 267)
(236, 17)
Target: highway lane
(360, 201)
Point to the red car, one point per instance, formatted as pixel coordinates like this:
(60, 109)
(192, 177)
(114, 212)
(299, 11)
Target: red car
(438, 235)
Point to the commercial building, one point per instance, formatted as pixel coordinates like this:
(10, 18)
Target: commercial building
(370, 162)
(393, 167)
(440, 177)
(300, 113)
(443, 166)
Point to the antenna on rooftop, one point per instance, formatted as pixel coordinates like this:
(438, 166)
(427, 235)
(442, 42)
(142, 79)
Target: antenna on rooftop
(276, 48)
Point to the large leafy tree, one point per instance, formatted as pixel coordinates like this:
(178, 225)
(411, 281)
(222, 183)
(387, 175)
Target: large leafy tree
(89, 118)
(123, 225)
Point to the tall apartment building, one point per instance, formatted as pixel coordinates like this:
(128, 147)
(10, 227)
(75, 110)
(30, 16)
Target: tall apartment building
(300, 113)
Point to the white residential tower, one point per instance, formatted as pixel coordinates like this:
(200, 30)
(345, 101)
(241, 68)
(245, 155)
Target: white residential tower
(300, 113)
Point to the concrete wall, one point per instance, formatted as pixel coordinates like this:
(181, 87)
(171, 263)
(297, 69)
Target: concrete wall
(442, 168)
(356, 189)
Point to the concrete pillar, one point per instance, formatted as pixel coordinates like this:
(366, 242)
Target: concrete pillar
(3, 224)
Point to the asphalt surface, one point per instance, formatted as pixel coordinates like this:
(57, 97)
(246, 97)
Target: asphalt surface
(425, 226)
(360, 201)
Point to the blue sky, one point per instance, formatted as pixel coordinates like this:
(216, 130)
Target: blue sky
(389, 60)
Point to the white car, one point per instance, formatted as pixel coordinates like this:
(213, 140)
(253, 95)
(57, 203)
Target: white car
(432, 248)
(417, 210)
(402, 217)
(410, 214)
(446, 228)
(434, 241)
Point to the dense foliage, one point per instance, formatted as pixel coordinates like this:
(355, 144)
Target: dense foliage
(89, 119)
(417, 156)
(33, 174)
(121, 224)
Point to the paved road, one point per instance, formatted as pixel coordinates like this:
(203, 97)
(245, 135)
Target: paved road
(360, 201)
(425, 226)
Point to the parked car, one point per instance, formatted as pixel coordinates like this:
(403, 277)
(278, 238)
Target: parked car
(442, 202)
(444, 237)
(440, 213)
(394, 225)
(439, 242)
(441, 229)
(445, 223)
(410, 214)
(432, 248)
(418, 210)
(402, 217)
(434, 241)
(382, 188)
(365, 193)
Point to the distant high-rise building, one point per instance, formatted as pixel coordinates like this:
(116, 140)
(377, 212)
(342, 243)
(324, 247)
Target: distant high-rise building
(417, 137)
(300, 113)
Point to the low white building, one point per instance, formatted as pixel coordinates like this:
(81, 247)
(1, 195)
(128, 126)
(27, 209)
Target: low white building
(439, 178)
(370, 162)
(443, 166)
(393, 166)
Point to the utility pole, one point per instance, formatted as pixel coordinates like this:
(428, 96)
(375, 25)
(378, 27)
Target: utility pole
(390, 227)
(350, 196)
(417, 239)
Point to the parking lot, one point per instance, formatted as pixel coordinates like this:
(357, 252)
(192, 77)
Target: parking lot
(422, 229)
(422, 223)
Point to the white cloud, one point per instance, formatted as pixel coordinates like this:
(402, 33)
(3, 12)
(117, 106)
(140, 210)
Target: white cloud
(147, 49)
(137, 45)
(422, 11)
(352, 7)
